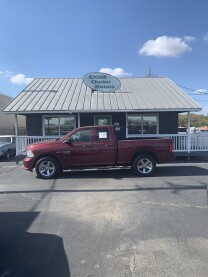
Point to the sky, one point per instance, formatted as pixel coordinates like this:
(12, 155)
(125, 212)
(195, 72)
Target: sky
(125, 38)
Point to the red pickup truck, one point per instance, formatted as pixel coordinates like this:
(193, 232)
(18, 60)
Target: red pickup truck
(96, 146)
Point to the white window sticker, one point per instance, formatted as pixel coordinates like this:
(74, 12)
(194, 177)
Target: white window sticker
(103, 135)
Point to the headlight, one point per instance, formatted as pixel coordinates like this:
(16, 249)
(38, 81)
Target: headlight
(2, 150)
(30, 154)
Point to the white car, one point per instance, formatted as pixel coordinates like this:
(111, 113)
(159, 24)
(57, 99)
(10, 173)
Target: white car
(7, 146)
(182, 130)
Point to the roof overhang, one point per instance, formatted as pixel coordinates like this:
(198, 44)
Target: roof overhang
(104, 111)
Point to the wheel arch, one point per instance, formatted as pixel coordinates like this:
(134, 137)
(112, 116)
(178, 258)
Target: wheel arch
(144, 152)
(44, 156)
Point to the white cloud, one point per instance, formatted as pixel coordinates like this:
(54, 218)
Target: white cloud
(117, 72)
(6, 73)
(205, 37)
(189, 38)
(20, 79)
(165, 47)
(202, 90)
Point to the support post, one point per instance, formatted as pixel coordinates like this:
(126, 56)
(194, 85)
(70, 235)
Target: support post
(207, 195)
(126, 125)
(189, 135)
(78, 119)
(17, 142)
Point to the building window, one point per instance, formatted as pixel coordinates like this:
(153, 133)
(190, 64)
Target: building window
(103, 120)
(142, 124)
(58, 125)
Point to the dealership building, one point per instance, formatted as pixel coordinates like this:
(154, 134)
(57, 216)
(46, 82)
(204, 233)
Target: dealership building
(139, 107)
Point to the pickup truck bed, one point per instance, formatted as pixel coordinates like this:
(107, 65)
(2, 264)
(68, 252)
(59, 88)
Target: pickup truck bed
(96, 146)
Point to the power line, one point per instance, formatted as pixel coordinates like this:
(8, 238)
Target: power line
(150, 74)
(187, 88)
(197, 91)
(14, 59)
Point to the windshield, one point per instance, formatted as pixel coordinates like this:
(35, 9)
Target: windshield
(5, 139)
(64, 138)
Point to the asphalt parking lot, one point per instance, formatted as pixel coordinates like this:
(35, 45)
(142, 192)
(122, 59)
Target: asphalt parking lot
(104, 223)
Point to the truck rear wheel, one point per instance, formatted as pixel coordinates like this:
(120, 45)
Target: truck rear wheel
(47, 168)
(144, 165)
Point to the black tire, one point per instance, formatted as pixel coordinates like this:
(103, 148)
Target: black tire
(47, 168)
(7, 155)
(144, 165)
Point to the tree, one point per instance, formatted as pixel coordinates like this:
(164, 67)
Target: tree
(197, 120)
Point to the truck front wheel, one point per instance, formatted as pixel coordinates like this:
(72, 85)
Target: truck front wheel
(144, 165)
(47, 168)
(7, 155)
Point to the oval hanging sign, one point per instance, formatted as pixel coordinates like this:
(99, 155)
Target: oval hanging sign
(101, 81)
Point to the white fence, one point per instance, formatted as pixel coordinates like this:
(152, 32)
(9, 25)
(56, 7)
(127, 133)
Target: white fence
(23, 141)
(182, 143)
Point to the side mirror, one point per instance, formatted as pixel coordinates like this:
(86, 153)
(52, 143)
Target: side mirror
(68, 141)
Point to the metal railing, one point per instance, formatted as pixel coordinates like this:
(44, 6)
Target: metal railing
(182, 143)
(23, 141)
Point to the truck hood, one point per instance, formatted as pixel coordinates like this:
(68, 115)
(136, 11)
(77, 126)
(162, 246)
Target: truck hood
(44, 145)
(3, 143)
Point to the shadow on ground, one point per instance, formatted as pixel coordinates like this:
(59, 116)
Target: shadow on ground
(164, 171)
(25, 254)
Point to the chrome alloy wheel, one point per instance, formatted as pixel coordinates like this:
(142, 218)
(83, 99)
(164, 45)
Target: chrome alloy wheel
(46, 168)
(145, 166)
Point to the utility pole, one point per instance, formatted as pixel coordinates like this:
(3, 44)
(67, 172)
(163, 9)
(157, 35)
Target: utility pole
(150, 72)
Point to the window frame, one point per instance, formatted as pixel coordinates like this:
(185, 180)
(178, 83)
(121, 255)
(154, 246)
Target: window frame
(59, 127)
(80, 131)
(142, 124)
(103, 115)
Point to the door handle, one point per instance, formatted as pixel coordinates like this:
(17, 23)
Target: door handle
(108, 145)
(85, 146)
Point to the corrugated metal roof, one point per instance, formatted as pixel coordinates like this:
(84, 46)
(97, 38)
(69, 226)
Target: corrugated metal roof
(72, 95)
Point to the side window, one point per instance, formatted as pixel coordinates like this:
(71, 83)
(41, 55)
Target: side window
(81, 136)
(102, 135)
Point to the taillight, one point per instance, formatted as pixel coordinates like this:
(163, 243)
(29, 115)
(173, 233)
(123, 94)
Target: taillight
(171, 148)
